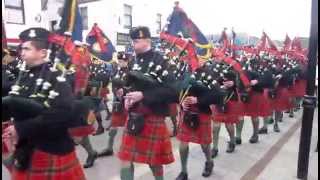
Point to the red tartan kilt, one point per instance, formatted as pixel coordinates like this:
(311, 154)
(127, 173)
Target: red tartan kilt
(298, 89)
(104, 92)
(118, 119)
(258, 106)
(282, 101)
(152, 146)
(202, 135)
(173, 109)
(234, 109)
(53, 167)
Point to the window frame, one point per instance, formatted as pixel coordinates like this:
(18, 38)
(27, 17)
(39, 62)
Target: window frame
(21, 8)
(125, 15)
(159, 23)
(84, 26)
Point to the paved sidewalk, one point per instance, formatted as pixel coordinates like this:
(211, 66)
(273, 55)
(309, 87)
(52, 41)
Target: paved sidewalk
(275, 156)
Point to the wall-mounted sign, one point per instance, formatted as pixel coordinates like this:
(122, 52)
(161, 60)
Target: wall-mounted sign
(123, 39)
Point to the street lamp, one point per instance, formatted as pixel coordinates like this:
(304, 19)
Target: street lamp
(309, 102)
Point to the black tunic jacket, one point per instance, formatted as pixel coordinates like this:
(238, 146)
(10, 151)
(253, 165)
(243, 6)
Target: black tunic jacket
(47, 131)
(158, 96)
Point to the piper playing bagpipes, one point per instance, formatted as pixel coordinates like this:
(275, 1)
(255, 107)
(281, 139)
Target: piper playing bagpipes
(147, 95)
(231, 76)
(200, 90)
(283, 71)
(40, 103)
(119, 114)
(255, 103)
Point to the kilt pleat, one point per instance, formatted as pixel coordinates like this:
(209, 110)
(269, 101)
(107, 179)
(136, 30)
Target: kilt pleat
(46, 166)
(298, 89)
(283, 101)
(202, 135)
(234, 110)
(258, 106)
(152, 146)
(118, 119)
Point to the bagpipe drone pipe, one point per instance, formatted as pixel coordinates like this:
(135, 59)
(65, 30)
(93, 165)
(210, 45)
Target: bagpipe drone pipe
(62, 54)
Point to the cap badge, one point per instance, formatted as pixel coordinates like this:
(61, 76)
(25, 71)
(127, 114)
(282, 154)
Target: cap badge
(32, 33)
(140, 34)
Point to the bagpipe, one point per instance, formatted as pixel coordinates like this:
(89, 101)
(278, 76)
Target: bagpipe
(189, 75)
(62, 56)
(28, 107)
(79, 63)
(118, 81)
(154, 75)
(142, 77)
(21, 105)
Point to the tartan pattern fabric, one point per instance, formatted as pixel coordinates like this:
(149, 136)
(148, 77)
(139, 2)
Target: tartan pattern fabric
(51, 167)
(152, 146)
(283, 101)
(173, 109)
(298, 89)
(118, 119)
(202, 135)
(259, 105)
(234, 110)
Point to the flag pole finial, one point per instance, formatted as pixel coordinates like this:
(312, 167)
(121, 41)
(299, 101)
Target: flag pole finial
(176, 3)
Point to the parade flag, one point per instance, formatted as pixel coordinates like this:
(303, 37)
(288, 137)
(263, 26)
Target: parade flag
(99, 44)
(296, 44)
(261, 45)
(71, 20)
(287, 43)
(266, 43)
(180, 25)
(224, 39)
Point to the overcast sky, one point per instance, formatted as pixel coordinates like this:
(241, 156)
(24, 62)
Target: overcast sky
(276, 17)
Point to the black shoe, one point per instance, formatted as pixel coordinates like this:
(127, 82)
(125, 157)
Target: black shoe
(271, 121)
(281, 117)
(214, 153)
(99, 131)
(287, 112)
(108, 116)
(263, 131)
(90, 160)
(238, 141)
(276, 128)
(254, 139)
(231, 147)
(174, 132)
(182, 176)
(208, 168)
(108, 128)
(291, 115)
(106, 152)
